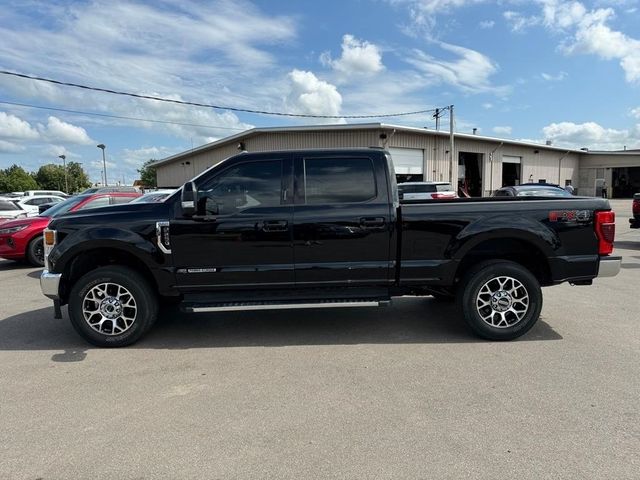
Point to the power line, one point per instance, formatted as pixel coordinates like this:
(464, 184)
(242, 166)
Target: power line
(118, 116)
(207, 105)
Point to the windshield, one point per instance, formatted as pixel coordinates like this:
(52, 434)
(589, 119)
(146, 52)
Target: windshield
(543, 192)
(90, 190)
(63, 207)
(8, 205)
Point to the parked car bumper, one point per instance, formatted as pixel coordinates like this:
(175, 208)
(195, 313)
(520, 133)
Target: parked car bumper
(50, 284)
(11, 248)
(634, 222)
(609, 266)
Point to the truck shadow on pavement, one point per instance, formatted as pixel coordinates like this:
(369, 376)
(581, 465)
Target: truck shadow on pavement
(627, 245)
(416, 320)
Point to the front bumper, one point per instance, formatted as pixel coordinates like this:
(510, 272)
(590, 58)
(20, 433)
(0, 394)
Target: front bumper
(50, 284)
(609, 266)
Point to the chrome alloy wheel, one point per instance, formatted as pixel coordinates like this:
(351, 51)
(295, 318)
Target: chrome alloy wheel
(502, 302)
(109, 309)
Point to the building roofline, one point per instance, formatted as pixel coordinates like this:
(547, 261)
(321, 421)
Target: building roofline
(364, 126)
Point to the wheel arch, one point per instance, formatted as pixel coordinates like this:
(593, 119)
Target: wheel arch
(520, 249)
(85, 260)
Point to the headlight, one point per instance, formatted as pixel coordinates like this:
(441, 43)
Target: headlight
(49, 238)
(17, 228)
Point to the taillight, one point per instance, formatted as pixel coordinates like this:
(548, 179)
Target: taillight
(439, 196)
(605, 226)
(636, 206)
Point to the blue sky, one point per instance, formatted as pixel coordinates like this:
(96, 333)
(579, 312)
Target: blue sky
(567, 71)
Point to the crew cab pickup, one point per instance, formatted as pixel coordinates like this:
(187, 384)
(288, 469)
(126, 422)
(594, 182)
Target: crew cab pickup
(318, 229)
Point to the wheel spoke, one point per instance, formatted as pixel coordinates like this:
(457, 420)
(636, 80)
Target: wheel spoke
(109, 308)
(502, 302)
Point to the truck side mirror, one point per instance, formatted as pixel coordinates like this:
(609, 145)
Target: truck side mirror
(188, 199)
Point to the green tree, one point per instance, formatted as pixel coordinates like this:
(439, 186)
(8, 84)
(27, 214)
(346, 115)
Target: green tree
(148, 174)
(77, 177)
(3, 182)
(16, 179)
(51, 177)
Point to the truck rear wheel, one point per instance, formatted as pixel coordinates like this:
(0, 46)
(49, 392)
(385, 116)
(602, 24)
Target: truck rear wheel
(112, 306)
(500, 300)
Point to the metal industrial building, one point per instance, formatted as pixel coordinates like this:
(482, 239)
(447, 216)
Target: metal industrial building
(484, 163)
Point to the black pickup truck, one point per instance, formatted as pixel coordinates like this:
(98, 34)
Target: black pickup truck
(317, 229)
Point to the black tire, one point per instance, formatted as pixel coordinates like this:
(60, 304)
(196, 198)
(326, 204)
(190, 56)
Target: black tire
(35, 252)
(523, 312)
(145, 306)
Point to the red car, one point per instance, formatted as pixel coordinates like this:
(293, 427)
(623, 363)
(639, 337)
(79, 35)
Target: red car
(22, 239)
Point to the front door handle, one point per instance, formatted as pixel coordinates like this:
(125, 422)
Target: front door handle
(372, 222)
(273, 226)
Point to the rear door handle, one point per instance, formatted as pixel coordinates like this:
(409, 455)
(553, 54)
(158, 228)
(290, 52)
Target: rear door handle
(273, 226)
(372, 222)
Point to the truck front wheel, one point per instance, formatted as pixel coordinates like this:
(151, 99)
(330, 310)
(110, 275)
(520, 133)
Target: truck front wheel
(112, 306)
(500, 300)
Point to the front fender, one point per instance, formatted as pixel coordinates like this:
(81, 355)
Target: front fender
(106, 237)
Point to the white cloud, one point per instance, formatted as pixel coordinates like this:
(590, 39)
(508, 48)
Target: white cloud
(585, 32)
(136, 157)
(310, 95)
(470, 70)
(213, 52)
(423, 12)
(358, 57)
(487, 24)
(487, 105)
(591, 135)
(505, 130)
(554, 78)
(635, 112)
(9, 147)
(16, 128)
(518, 22)
(58, 131)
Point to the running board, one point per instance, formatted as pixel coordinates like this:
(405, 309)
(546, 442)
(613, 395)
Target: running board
(242, 306)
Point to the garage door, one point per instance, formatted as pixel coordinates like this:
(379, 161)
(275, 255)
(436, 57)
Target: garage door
(407, 161)
(511, 159)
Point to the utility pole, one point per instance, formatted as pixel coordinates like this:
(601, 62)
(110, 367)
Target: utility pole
(102, 146)
(437, 117)
(64, 166)
(452, 168)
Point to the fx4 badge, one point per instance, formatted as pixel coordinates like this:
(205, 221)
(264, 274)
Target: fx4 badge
(565, 216)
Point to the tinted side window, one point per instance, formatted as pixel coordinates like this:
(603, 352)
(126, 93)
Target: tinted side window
(339, 180)
(251, 184)
(95, 203)
(118, 200)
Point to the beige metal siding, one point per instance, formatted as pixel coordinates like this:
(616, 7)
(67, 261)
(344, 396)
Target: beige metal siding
(541, 165)
(327, 139)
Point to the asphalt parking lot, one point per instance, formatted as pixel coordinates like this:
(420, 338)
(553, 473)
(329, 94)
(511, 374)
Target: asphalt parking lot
(401, 392)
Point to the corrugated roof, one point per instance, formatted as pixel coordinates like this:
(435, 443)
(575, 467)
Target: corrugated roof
(364, 126)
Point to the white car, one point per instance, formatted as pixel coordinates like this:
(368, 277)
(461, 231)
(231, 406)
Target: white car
(31, 203)
(48, 193)
(426, 191)
(10, 211)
